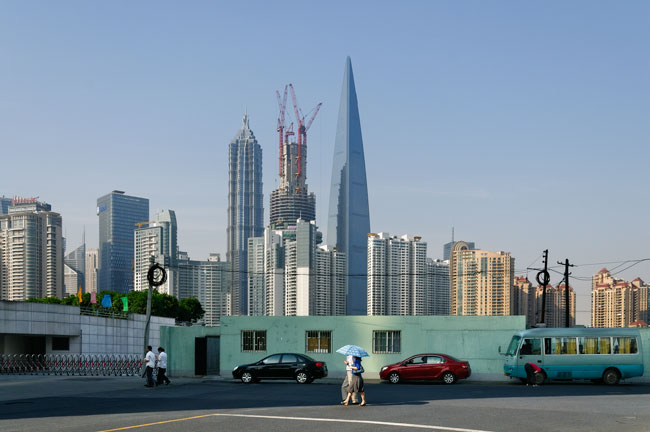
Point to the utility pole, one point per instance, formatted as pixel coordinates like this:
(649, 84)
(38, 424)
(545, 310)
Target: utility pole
(146, 325)
(567, 297)
(156, 276)
(543, 278)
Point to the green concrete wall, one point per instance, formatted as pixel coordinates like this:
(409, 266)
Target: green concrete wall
(475, 339)
(179, 346)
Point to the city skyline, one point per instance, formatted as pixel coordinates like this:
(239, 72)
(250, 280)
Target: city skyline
(530, 103)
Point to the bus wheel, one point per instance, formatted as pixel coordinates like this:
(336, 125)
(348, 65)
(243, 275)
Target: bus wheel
(611, 377)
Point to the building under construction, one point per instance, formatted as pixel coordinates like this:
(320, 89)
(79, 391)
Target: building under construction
(292, 200)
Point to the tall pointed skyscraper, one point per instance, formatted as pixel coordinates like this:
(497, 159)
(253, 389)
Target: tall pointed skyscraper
(349, 217)
(245, 211)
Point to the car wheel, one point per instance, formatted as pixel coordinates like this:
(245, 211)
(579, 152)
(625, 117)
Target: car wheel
(448, 378)
(611, 377)
(247, 378)
(540, 378)
(302, 378)
(393, 378)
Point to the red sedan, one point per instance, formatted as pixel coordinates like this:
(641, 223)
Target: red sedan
(441, 367)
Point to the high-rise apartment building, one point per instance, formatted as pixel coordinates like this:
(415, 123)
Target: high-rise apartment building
(274, 257)
(118, 215)
(437, 287)
(91, 268)
(158, 240)
(300, 277)
(523, 299)
(398, 283)
(330, 284)
(556, 305)
(526, 300)
(256, 276)
(245, 210)
(481, 281)
(349, 214)
(617, 303)
(208, 281)
(31, 251)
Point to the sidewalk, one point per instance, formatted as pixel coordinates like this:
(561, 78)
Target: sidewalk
(16, 387)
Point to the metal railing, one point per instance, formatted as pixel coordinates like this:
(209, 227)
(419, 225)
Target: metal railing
(102, 312)
(71, 364)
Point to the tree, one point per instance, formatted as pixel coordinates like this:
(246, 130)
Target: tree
(189, 309)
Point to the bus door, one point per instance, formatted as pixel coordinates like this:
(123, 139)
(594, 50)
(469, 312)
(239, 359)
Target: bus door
(529, 352)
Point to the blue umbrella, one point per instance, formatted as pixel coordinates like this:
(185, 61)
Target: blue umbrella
(353, 350)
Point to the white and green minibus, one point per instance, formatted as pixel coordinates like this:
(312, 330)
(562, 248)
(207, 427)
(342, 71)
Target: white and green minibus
(598, 354)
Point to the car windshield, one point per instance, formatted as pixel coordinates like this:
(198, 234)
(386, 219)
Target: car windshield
(514, 343)
(452, 358)
(307, 357)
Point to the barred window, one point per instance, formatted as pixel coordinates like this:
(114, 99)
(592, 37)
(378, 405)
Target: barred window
(386, 341)
(253, 340)
(319, 341)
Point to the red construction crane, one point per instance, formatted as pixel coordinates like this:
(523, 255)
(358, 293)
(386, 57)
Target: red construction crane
(282, 104)
(302, 129)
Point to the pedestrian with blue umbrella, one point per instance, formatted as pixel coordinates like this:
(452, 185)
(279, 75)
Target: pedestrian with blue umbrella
(354, 380)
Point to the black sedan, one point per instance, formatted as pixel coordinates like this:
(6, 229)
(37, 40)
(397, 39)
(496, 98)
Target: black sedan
(282, 366)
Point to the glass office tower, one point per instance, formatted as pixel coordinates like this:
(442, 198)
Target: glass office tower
(349, 216)
(245, 211)
(118, 215)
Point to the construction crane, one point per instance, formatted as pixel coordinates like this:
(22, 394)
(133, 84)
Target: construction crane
(141, 224)
(302, 127)
(282, 104)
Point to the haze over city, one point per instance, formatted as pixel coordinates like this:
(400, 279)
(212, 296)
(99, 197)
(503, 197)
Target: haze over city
(524, 126)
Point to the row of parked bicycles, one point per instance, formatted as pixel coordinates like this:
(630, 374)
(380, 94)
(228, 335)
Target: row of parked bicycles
(71, 364)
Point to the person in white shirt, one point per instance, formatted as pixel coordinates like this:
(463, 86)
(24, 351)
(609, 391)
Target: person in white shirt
(150, 360)
(162, 367)
(349, 361)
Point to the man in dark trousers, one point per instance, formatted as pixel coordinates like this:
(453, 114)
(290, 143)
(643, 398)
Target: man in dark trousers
(162, 367)
(531, 373)
(150, 360)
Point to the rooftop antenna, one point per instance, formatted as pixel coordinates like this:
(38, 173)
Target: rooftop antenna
(452, 234)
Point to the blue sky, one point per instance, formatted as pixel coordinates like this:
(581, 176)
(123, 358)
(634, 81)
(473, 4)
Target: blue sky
(523, 124)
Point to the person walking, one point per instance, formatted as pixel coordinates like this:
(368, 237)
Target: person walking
(531, 373)
(150, 360)
(162, 367)
(348, 379)
(356, 384)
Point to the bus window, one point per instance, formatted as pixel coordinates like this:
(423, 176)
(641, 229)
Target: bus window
(560, 345)
(624, 345)
(531, 347)
(514, 344)
(588, 345)
(604, 345)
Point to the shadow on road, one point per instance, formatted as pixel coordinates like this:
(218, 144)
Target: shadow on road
(223, 395)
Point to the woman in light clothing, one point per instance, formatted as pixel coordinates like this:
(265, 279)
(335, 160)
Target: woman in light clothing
(356, 385)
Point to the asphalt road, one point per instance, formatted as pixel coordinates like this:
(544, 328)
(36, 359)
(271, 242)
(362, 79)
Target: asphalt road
(100, 404)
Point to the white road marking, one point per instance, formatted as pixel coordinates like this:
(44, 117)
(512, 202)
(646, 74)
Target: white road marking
(372, 422)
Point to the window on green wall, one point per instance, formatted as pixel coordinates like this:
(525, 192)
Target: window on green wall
(319, 341)
(253, 340)
(386, 341)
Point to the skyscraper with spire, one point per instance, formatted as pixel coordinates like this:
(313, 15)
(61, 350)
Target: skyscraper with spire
(349, 216)
(245, 211)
